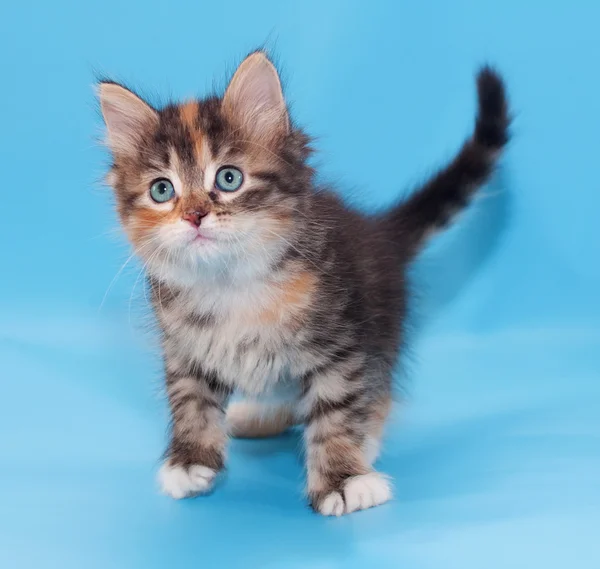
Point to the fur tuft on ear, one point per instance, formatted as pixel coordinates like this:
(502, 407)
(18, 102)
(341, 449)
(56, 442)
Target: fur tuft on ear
(127, 117)
(254, 99)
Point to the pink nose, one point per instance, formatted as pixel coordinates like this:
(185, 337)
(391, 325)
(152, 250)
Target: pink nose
(194, 216)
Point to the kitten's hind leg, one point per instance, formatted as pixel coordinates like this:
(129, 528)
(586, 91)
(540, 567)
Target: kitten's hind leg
(252, 419)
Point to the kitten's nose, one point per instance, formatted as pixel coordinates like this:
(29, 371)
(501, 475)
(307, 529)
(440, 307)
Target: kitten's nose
(194, 216)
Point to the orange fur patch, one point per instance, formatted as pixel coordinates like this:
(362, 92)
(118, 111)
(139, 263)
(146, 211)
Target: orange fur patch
(144, 220)
(188, 113)
(291, 298)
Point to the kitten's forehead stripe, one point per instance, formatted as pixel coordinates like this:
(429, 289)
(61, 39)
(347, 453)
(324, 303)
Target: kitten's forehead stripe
(189, 115)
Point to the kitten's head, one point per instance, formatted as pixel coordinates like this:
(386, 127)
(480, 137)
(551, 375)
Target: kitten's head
(210, 184)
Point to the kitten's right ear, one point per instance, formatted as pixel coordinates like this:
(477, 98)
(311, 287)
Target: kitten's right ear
(127, 117)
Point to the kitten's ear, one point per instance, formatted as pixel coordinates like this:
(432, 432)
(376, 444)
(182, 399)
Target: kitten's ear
(127, 117)
(254, 99)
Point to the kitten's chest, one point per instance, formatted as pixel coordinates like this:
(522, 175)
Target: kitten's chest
(251, 341)
(249, 358)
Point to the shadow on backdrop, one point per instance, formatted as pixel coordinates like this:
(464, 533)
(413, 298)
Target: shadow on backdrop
(445, 269)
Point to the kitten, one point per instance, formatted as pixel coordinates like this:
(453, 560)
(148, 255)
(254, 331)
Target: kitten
(266, 284)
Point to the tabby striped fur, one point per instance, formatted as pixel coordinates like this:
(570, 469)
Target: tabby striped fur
(281, 292)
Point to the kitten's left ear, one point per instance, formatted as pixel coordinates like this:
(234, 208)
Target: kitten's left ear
(254, 99)
(128, 118)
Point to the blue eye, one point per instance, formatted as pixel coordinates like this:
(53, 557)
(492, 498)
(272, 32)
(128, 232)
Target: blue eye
(162, 191)
(229, 179)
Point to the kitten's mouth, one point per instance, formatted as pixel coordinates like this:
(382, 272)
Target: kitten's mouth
(201, 238)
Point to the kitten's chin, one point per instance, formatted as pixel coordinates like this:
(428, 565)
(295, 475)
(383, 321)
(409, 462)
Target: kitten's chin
(204, 251)
(187, 266)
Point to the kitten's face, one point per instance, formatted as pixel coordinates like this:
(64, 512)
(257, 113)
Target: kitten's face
(207, 185)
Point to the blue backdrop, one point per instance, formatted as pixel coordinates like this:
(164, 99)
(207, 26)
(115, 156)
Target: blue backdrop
(496, 452)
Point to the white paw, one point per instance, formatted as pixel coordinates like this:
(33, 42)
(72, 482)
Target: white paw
(332, 505)
(180, 482)
(365, 491)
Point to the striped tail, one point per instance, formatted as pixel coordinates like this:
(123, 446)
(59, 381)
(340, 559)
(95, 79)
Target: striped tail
(434, 205)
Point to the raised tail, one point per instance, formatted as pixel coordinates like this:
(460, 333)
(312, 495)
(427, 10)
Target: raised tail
(433, 206)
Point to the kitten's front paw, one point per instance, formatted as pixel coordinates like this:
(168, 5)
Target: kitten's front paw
(331, 505)
(358, 493)
(184, 481)
(365, 491)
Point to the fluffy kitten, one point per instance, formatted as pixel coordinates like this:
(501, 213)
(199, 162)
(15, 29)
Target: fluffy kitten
(266, 284)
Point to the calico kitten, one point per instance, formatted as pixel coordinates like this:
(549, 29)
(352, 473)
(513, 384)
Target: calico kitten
(266, 284)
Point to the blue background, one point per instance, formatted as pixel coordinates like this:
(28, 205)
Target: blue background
(496, 451)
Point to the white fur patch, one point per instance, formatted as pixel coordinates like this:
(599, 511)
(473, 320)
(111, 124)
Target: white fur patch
(365, 491)
(179, 482)
(332, 505)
